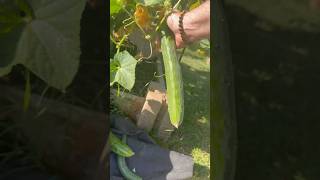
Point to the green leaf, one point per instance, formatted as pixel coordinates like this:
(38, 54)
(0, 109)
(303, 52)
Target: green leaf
(115, 6)
(49, 45)
(122, 71)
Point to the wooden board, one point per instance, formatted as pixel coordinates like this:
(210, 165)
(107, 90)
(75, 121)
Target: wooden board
(151, 108)
(129, 104)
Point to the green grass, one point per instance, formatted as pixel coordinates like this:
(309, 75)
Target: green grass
(193, 137)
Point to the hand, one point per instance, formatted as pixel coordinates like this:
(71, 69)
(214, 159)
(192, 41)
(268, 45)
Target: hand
(173, 23)
(196, 24)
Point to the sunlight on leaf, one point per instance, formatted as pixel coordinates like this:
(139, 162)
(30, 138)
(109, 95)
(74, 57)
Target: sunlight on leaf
(122, 70)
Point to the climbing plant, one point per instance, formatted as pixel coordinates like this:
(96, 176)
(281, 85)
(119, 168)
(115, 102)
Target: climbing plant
(149, 18)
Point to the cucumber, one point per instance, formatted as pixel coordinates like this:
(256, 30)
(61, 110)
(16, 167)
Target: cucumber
(125, 171)
(174, 81)
(119, 147)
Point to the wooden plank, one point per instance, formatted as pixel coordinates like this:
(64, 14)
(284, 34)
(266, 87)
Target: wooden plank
(151, 107)
(129, 104)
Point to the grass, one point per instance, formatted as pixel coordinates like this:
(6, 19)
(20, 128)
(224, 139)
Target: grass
(193, 137)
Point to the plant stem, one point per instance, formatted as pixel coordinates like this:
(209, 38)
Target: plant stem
(176, 5)
(121, 42)
(131, 16)
(167, 14)
(114, 41)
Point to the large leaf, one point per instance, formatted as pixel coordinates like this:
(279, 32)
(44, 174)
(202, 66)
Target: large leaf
(49, 45)
(122, 70)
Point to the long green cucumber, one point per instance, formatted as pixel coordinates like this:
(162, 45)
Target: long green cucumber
(174, 81)
(125, 171)
(119, 147)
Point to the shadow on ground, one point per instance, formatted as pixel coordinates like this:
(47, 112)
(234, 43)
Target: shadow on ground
(277, 75)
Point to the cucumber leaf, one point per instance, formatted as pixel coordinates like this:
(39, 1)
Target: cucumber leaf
(122, 70)
(49, 44)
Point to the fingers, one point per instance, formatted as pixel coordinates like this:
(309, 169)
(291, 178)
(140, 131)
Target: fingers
(173, 24)
(179, 42)
(172, 21)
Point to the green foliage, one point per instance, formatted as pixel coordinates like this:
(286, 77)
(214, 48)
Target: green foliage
(122, 66)
(115, 6)
(122, 70)
(47, 44)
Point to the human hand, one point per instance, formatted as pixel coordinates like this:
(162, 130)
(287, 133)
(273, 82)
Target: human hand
(173, 23)
(196, 24)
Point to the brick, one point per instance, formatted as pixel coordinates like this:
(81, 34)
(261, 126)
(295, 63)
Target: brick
(151, 107)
